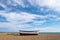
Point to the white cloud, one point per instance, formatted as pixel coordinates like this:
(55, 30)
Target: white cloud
(23, 16)
(49, 29)
(39, 23)
(19, 2)
(53, 4)
(18, 20)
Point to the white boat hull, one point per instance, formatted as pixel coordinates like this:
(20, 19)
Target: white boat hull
(29, 32)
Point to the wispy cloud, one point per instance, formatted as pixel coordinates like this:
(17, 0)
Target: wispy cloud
(32, 14)
(19, 20)
(26, 20)
(53, 4)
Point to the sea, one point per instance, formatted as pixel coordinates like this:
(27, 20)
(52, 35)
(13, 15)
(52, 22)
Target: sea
(39, 32)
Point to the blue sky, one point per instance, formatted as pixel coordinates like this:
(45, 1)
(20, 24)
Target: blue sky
(43, 15)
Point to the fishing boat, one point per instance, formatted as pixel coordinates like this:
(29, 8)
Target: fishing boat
(28, 32)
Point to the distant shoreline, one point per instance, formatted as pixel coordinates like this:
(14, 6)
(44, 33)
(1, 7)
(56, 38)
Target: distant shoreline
(39, 32)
